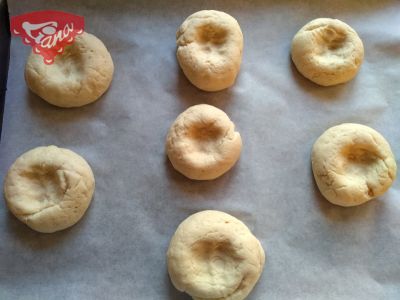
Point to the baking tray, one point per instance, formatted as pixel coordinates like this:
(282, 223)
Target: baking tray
(314, 250)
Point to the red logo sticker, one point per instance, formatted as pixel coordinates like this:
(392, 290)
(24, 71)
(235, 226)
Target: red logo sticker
(47, 31)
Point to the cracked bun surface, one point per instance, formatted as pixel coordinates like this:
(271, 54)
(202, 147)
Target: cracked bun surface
(202, 143)
(49, 188)
(79, 76)
(210, 45)
(352, 164)
(213, 255)
(327, 51)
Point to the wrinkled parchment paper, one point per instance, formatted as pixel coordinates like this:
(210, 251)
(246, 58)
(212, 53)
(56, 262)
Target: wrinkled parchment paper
(117, 251)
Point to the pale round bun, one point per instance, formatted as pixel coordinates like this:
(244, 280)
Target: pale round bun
(327, 51)
(49, 188)
(213, 255)
(210, 45)
(79, 76)
(352, 164)
(202, 143)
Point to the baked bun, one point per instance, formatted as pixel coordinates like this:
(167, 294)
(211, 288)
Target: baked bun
(210, 45)
(213, 255)
(327, 51)
(352, 164)
(49, 188)
(202, 143)
(78, 76)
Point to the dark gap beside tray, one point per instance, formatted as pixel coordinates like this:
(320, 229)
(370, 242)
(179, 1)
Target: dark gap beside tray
(4, 55)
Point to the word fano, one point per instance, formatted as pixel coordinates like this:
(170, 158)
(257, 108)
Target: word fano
(47, 32)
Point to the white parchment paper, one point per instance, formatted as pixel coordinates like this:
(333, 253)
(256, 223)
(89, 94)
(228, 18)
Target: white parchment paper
(314, 250)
